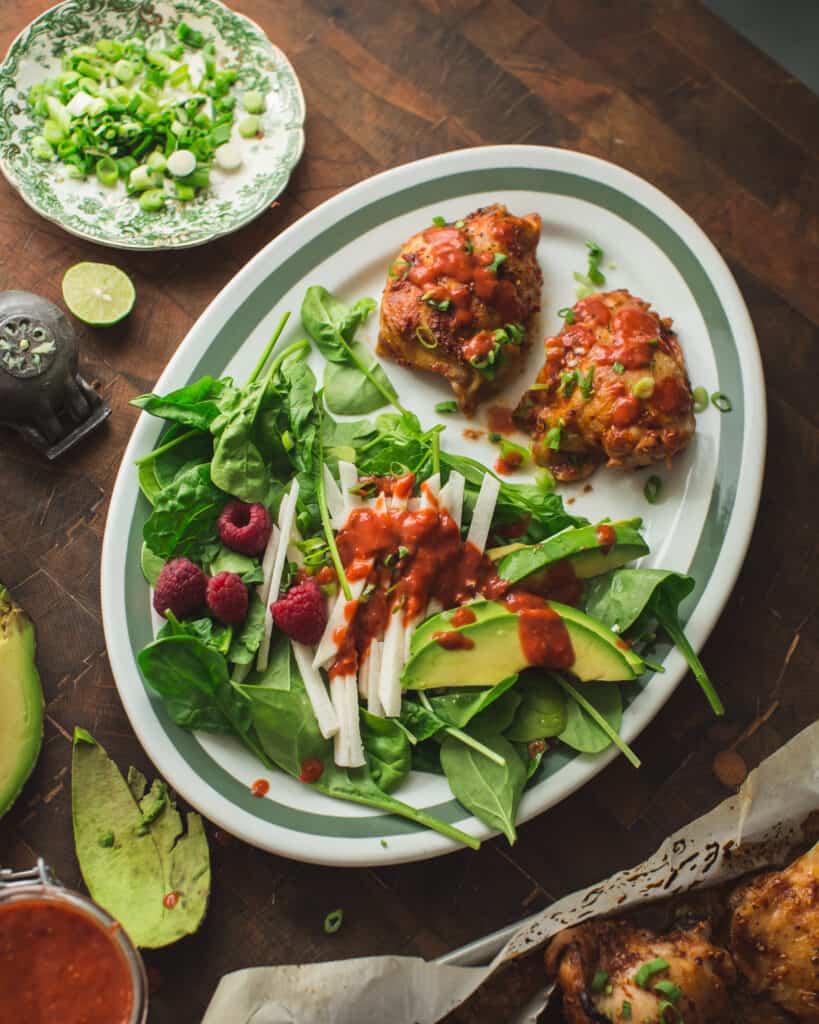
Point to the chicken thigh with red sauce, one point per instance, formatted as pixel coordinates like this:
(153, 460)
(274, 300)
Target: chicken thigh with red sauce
(460, 299)
(613, 389)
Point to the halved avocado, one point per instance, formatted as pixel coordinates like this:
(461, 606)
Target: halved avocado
(442, 622)
(589, 549)
(497, 653)
(21, 701)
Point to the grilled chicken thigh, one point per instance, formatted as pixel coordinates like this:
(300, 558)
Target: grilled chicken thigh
(775, 936)
(613, 388)
(460, 298)
(684, 977)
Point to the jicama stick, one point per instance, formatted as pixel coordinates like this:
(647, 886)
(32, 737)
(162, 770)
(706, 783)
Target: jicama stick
(316, 690)
(348, 474)
(452, 496)
(374, 705)
(483, 513)
(340, 618)
(348, 751)
(287, 517)
(392, 660)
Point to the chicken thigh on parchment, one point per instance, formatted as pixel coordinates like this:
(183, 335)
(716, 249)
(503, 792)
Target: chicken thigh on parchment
(613, 389)
(460, 298)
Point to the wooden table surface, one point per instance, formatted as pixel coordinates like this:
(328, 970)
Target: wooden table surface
(664, 89)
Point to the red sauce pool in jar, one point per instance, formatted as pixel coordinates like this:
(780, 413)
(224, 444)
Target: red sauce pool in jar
(57, 964)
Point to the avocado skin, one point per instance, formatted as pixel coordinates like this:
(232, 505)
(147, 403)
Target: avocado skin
(21, 701)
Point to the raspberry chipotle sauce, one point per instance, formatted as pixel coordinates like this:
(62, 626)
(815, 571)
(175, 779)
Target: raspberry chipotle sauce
(60, 963)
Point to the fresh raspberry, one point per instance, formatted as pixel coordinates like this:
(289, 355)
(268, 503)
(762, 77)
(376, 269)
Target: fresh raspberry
(245, 528)
(227, 597)
(180, 588)
(301, 612)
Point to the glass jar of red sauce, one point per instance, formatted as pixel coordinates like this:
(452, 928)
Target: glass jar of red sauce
(64, 959)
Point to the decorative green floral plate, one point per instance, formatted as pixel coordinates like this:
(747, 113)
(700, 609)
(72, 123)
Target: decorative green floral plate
(108, 215)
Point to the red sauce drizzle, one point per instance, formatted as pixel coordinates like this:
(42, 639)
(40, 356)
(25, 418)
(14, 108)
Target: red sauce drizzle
(592, 311)
(259, 787)
(509, 463)
(562, 583)
(463, 616)
(311, 770)
(56, 961)
(170, 899)
(500, 419)
(626, 411)
(606, 537)
(454, 641)
(478, 346)
(544, 639)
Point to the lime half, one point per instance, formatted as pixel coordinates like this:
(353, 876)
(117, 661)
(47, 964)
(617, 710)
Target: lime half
(98, 293)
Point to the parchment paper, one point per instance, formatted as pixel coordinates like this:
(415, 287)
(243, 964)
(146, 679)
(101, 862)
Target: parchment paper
(759, 826)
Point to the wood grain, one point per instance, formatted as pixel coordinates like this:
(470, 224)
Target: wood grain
(668, 91)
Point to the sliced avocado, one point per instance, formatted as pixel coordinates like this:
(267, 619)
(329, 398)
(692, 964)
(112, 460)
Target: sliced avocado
(442, 622)
(497, 653)
(586, 547)
(21, 701)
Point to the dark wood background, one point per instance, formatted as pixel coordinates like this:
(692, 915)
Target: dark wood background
(664, 89)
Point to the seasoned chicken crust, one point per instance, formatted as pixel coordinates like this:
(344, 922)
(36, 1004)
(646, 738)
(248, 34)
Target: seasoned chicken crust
(613, 389)
(460, 298)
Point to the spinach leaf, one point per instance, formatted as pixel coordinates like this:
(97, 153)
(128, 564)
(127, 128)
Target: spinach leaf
(421, 723)
(581, 731)
(300, 389)
(348, 392)
(238, 466)
(192, 680)
(148, 482)
(426, 757)
(151, 564)
(542, 711)
(632, 599)
(215, 634)
(279, 672)
(196, 405)
(191, 452)
(387, 750)
(459, 707)
(490, 791)
(289, 735)
(226, 560)
(332, 326)
(496, 718)
(331, 323)
(248, 636)
(183, 521)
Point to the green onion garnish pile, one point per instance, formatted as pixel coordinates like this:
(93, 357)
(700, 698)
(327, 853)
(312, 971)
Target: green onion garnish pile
(123, 111)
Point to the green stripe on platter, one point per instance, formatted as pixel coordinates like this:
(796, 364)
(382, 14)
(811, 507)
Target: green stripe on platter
(297, 266)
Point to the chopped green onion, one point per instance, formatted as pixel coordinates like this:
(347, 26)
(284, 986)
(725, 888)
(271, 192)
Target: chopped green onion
(184, 192)
(544, 480)
(700, 396)
(625, 1012)
(333, 921)
(599, 981)
(669, 990)
(41, 149)
(109, 48)
(493, 437)
(567, 314)
(141, 178)
(53, 131)
(190, 36)
(618, 367)
(569, 381)
(443, 408)
(107, 171)
(652, 489)
(643, 388)
(594, 274)
(156, 161)
(106, 839)
(426, 337)
(667, 1013)
(515, 332)
(498, 259)
(442, 305)
(647, 970)
(468, 247)
(722, 401)
(253, 101)
(152, 200)
(248, 127)
(553, 437)
(179, 75)
(439, 222)
(394, 270)
(587, 382)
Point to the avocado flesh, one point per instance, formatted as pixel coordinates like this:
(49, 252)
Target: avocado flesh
(21, 701)
(579, 545)
(497, 653)
(481, 609)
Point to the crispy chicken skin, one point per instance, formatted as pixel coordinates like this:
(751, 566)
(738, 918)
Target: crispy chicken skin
(775, 936)
(613, 389)
(452, 294)
(702, 971)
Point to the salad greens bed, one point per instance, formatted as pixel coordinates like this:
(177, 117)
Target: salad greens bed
(227, 440)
